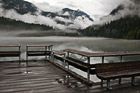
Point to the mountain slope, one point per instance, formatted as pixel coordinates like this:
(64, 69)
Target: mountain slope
(29, 13)
(127, 28)
(21, 7)
(122, 22)
(74, 13)
(115, 11)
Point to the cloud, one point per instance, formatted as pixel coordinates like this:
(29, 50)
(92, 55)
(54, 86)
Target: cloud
(131, 8)
(92, 7)
(80, 22)
(45, 6)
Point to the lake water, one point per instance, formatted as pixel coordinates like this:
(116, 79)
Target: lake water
(94, 45)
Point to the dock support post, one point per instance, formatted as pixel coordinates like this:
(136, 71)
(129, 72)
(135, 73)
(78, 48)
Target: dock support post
(45, 52)
(133, 80)
(19, 56)
(68, 54)
(103, 59)
(64, 60)
(102, 82)
(67, 62)
(50, 52)
(120, 81)
(88, 71)
(26, 56)
(120, 61)
(53, 56)
(108, 84)
(120, 58)
(68, 66)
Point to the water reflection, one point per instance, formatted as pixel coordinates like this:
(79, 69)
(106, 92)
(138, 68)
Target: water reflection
(68, 82)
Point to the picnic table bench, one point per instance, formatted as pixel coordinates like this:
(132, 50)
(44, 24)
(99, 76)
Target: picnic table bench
(108, 71)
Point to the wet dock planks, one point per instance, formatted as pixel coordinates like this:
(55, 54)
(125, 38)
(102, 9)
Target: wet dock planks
(43, 77)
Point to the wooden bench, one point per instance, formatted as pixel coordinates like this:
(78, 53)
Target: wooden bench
(108, 71)
(15, 53)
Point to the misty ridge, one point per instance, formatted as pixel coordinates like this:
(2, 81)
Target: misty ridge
(29, 13)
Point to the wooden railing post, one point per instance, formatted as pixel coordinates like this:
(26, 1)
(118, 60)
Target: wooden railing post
(64, 60)
(45, 52)
(88, 71)
(120, 58)
(50, 51)
(102, 59)
(19, 55)
(67, 62)
(26, 55)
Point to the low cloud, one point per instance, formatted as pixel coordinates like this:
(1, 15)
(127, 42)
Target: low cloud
(78, 23)
(45, 6)
(92, 7)
(131, 8)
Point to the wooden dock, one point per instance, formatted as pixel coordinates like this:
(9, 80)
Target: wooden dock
(44, 77)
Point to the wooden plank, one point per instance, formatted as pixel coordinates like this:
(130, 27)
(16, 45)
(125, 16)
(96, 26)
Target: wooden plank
(9, 55)
(9, 45)
(107, 54)
(77, 52)
(38, 53)
(9, 52)
(47, 78)
(58, 52)
(41, 45)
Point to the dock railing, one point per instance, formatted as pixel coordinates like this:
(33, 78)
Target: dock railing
(46, 52)
(11, 53)
(88, 67)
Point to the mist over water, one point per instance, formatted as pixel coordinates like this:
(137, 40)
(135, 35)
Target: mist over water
(88, 44)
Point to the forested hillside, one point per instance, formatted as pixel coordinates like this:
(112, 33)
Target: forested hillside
(127, 28)
(9, 24)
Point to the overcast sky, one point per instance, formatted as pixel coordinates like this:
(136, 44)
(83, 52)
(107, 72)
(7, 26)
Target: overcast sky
(95, 8)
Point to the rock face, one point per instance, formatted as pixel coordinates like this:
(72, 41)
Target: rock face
(66, 18)
(20, 6)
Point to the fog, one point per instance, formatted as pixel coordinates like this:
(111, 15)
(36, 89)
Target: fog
(130, 8)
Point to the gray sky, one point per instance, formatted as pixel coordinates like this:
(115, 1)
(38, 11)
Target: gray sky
(95, 8)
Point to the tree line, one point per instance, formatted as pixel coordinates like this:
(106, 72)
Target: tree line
(126, 28)
(10, 24)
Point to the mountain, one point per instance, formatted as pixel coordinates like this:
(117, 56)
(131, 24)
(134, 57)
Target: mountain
(29, 13)
(20, 6)
(122, 22)
(73, 14)
(115, 11)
